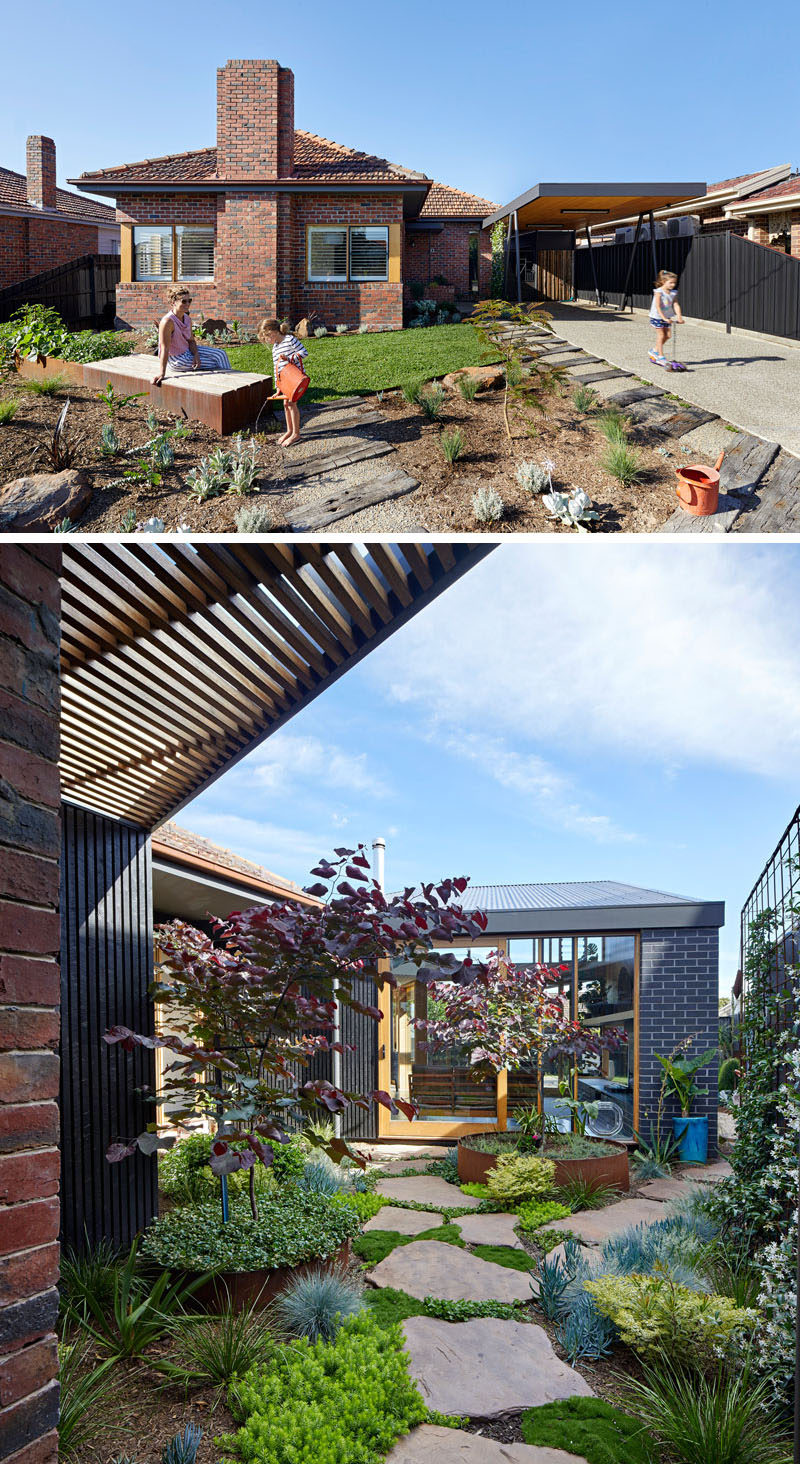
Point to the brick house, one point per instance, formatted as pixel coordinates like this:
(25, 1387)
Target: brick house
(281, 222)
(42, 226)
(763, 207)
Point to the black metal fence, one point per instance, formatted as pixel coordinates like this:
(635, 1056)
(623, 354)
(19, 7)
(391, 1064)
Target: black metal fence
(83, 292)
(777, 890)
(721, 278)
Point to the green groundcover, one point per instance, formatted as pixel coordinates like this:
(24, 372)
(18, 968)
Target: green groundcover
(591, 1428)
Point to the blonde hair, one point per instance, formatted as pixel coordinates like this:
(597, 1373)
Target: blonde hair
(269, 327)
(178, 292)
(662, 277)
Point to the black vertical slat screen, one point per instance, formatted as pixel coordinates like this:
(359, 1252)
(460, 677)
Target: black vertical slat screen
(360, 1068)
(764, 284)
(106, 970)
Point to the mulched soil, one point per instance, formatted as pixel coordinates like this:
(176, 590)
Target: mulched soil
(442, 503)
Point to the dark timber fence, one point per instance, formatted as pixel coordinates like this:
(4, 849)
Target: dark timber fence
(106, 969)
(83, 291)
(721, 278)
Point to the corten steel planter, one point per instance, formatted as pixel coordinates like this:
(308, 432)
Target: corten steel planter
(224, 400)
(246, 1287)
(474, 1166)
(72, 371)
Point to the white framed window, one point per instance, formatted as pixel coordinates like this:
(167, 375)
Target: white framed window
(369, 252)
(327, 253)
(195, 252)
(152, 248)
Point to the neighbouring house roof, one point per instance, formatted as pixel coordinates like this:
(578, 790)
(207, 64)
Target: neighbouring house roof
(179, 846)
(316, 160)
(785, 191)
(585, 905)
(14, 194)
(726, 185)
(451, 203)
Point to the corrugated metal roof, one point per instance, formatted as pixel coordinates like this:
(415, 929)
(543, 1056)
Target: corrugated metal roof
(588, 894)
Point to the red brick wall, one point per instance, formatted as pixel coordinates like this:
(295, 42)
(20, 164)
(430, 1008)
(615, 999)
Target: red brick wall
(719, 224)
(139, 304)
(378, 304)
(29, 1002)
(447, 253)
(255, 120)
(28, 245)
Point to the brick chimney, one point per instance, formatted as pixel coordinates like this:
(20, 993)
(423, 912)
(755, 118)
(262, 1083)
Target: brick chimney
(255, 120)
(41, 172)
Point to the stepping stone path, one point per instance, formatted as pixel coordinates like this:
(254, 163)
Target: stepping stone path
(489, 1230)
(406, 1222)
(454, 1446)
(595, 1227)
(426, 1189)
(665, 1189)
(487, 1368)
(433, 1268)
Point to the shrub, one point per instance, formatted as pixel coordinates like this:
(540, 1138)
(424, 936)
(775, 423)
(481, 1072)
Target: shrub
(446, 1168)
(321, 331)
(591, 1429)
(612, 424)
(431, 403)
(584, 399)
(216, 1349)
(292, 1226)
(541, 1212)
(329, 1401)
(452, 444)
(721, 1419)
(623, 463)
(534, 477)
(487, 506)
(8, 409)
(656, 1316)
(468, 387)
(254, 518)
(136, 1314)
(412, 391)
(341, 329)
(95, 345)
(641, 1250)
(728, 1074)
(586, 1194)
(321, 1179)
(549, 1239)
(315, 1305)
(520, 1177)
(365, 1205)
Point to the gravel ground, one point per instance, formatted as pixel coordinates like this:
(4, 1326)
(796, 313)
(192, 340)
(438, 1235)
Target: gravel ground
(750, 382)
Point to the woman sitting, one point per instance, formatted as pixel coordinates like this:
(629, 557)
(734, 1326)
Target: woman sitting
(177, 347)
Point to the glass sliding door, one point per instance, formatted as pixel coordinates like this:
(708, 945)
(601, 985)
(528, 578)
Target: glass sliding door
(606, 971)
(439, 1082)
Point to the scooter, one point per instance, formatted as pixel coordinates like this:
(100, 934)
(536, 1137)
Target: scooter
(672, 364)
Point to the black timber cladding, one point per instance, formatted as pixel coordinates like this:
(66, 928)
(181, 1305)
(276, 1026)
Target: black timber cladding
(106, 970)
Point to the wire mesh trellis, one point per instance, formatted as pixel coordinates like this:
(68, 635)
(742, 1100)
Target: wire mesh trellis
(770, 920)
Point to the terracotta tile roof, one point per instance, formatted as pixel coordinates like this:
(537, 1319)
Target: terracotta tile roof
(450, 203)
(788, 187)
(316, 159)
(172, 840)
(727, 183)
(14, 192)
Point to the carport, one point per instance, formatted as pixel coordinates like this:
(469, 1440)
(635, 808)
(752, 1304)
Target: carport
(542, 226)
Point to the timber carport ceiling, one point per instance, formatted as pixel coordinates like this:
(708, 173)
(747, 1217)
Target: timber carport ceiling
(574, 205)
(179, 658)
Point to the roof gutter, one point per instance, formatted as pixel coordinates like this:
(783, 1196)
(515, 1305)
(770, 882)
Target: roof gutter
(177, 860)
(771, 205)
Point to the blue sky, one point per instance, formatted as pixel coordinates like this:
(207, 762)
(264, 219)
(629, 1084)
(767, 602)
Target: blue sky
(487, 98)
(568, 710)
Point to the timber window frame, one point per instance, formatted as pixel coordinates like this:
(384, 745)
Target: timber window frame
(173, 245)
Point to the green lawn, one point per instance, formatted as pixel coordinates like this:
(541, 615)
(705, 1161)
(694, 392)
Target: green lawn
(351, 365)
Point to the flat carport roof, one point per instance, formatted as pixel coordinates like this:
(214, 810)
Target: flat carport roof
(574, 205)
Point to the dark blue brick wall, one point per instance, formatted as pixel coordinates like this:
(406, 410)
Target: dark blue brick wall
(678, 997)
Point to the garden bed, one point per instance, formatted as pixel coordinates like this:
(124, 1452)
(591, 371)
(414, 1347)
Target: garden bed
(608, 1167)
(259, 1288)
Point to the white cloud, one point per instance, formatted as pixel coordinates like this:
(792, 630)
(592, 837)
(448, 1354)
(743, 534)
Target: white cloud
(679, 654)
(546, 795)
(289, 759)
(284, 851)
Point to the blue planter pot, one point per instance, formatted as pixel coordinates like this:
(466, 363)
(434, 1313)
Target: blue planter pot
(692, 1137)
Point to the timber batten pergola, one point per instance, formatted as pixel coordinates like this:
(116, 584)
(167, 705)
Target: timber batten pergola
(179, 658)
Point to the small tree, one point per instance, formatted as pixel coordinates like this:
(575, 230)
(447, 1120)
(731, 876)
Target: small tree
(504, 1018)
(252, 1007)
(486, 318)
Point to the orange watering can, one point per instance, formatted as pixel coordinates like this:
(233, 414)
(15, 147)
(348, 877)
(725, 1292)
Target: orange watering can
(698, 488)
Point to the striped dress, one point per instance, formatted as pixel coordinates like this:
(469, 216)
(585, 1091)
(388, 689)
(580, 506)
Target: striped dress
(289, 349)
(211, 358)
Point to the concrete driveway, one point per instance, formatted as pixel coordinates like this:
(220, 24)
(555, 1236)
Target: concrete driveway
(750, 382)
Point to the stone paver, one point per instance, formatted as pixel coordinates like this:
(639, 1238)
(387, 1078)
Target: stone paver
(432, 1444)
(487, 1368)
(709, 1173)
(407, 1222)
(666, 1189)
(426, 1189)
(489, 1230)
(594, 1227)
(395, 1167)
(432, 1268)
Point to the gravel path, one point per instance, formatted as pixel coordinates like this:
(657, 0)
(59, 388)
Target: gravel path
(752, 383)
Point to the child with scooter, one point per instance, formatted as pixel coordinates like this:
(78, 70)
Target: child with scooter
(664, 312)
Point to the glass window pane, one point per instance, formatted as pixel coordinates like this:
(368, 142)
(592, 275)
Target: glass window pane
(152, 247)
(440, 1082)
(327, 254)
(557, 952)
(606, 976)
(369, 253)
(195, 253)
(522, 952)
